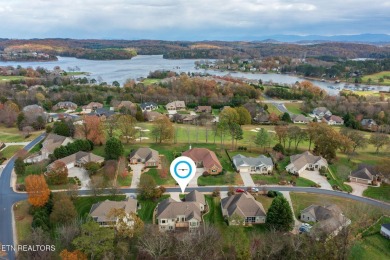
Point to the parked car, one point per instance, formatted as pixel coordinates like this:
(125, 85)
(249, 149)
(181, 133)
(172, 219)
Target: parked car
(240, 190)
(254, 190)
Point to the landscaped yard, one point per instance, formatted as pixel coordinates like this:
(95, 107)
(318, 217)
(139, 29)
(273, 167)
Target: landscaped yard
(379, 193)
(83, 204)
(273, 109)
(10, 151)
(147, 208)
(376, 76)
(265, 200)
(168, 181)
(214, 215)
(12, 134)
(150, 81)
(294, 108)
(124, 179)
(23, 219)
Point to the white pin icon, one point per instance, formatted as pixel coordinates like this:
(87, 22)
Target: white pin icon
(183, 169)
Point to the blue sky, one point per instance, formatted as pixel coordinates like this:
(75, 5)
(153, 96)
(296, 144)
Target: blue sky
(190, 20)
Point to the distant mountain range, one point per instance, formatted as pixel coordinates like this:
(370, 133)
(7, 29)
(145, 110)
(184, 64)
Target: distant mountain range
(363, 38)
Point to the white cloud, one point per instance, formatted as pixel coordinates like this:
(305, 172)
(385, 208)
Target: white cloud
(140, 18)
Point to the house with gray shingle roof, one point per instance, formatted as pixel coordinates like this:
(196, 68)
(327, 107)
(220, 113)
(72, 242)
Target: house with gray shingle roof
(330, 220)
(79, 159)
(172, 215)
(100, 212)
(145, 155)
(64, 105)
(243, 206)
(365, 174)
(305, 161)
(299, 119)
(260, 164)
(148, 106)
(320, 112)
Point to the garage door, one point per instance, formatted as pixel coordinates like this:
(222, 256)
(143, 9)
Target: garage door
(70, 165)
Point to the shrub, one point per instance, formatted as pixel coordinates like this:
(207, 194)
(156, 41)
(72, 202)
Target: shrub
(206, 173)
(272, 194)
(278, 148)
(216, 192)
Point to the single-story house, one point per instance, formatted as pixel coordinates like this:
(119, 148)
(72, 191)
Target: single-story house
(124, 104)
(203, 109)
(305, 161)
(148, 106)
(333, 120)
(145, 155)
(92, 106)
(172, 215)
(68, 105)
(365, 174)
(100, 211)
(260, 164)
(176, 105)
(385, 230)
(103, 113)
(369, 124)
(243, 206)
(261, 118)
(320, 112)
(79, 159)
(299, 119)
(204, 158)
(51, 142)
(330, 220)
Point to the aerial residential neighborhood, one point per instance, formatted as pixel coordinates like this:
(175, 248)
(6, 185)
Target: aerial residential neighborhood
(187, 130)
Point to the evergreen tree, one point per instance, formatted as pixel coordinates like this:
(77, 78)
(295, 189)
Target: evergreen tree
(262, 138)
(113, 149)
(280, 216)
(286, 117)
(20, 168)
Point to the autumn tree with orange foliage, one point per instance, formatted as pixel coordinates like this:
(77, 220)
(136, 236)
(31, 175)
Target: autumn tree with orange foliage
(37, 190)
(92, 129)
(75, 255)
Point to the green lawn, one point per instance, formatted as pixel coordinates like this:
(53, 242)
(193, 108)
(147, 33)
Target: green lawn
(273, 109)
(294, 108)
(9, 78)
(214, 215)
(83, 204)
(23, 220)
(124, 180)
(147, 208)
(10, 151)
(150, 81)
(12, 134)
(71, 182)
(265, 200)
(379, 193)
(375, 78)
(168, 181)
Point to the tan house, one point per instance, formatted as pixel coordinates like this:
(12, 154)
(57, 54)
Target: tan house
(365, 174)
(332, 120)
(124, 104)
(204, 158)
(79, 159)
(330, 220)
(145, 155)
(305, 161)
(152, 115)
(320, 112)
(68, 105)
(243, 206)
(92, 106)
(52, 141)
(176, 105)
(173, 215)
(100, 212)
(203, 109)
(299, 119)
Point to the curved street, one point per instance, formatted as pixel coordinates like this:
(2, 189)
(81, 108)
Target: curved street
(8, 197)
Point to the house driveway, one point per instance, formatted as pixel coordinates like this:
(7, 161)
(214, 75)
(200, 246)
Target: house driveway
(357, 188)
(175, 195)
(317, 178)
(297, 223)
(80, 173)
(247, 179)
(137, 169)
(194, 181)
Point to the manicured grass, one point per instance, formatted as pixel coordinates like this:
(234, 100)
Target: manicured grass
(168, 181)
(214, 215)
(376, 76)
(228, 178)
(150, 81)
(371, 247)
(294, 108)
(273, 109)
(23, 219)
(66, 186)
(265, 200)
(9, 78)
(10, 151)
(124, 180)
(12, 134)
(147, 208)
(379, 193)
(83, 204)
(36, 148)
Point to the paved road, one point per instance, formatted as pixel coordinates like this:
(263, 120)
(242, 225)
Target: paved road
(281, 108)
(7, 198)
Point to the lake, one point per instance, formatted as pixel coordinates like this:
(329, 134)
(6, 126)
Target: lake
(141, 65)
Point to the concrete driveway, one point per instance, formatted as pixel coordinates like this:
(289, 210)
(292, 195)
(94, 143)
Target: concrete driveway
(194, 181)
(297, 223)
(317, 178)
(80, 173)
(357, 188)
(137, 169)
(247, 179)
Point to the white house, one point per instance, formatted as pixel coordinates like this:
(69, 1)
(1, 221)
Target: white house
(305, 161)
(320, 112)
(385, 230)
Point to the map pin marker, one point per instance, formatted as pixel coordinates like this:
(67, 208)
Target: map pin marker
(183, 169)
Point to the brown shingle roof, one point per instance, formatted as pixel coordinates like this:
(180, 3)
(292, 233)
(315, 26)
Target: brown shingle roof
(52, 142)
(243, 205)
(146, 154)
(300, 160)
(195, 196)
(102, 209)
(82, 157)
(170, 209)
(204, 155)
